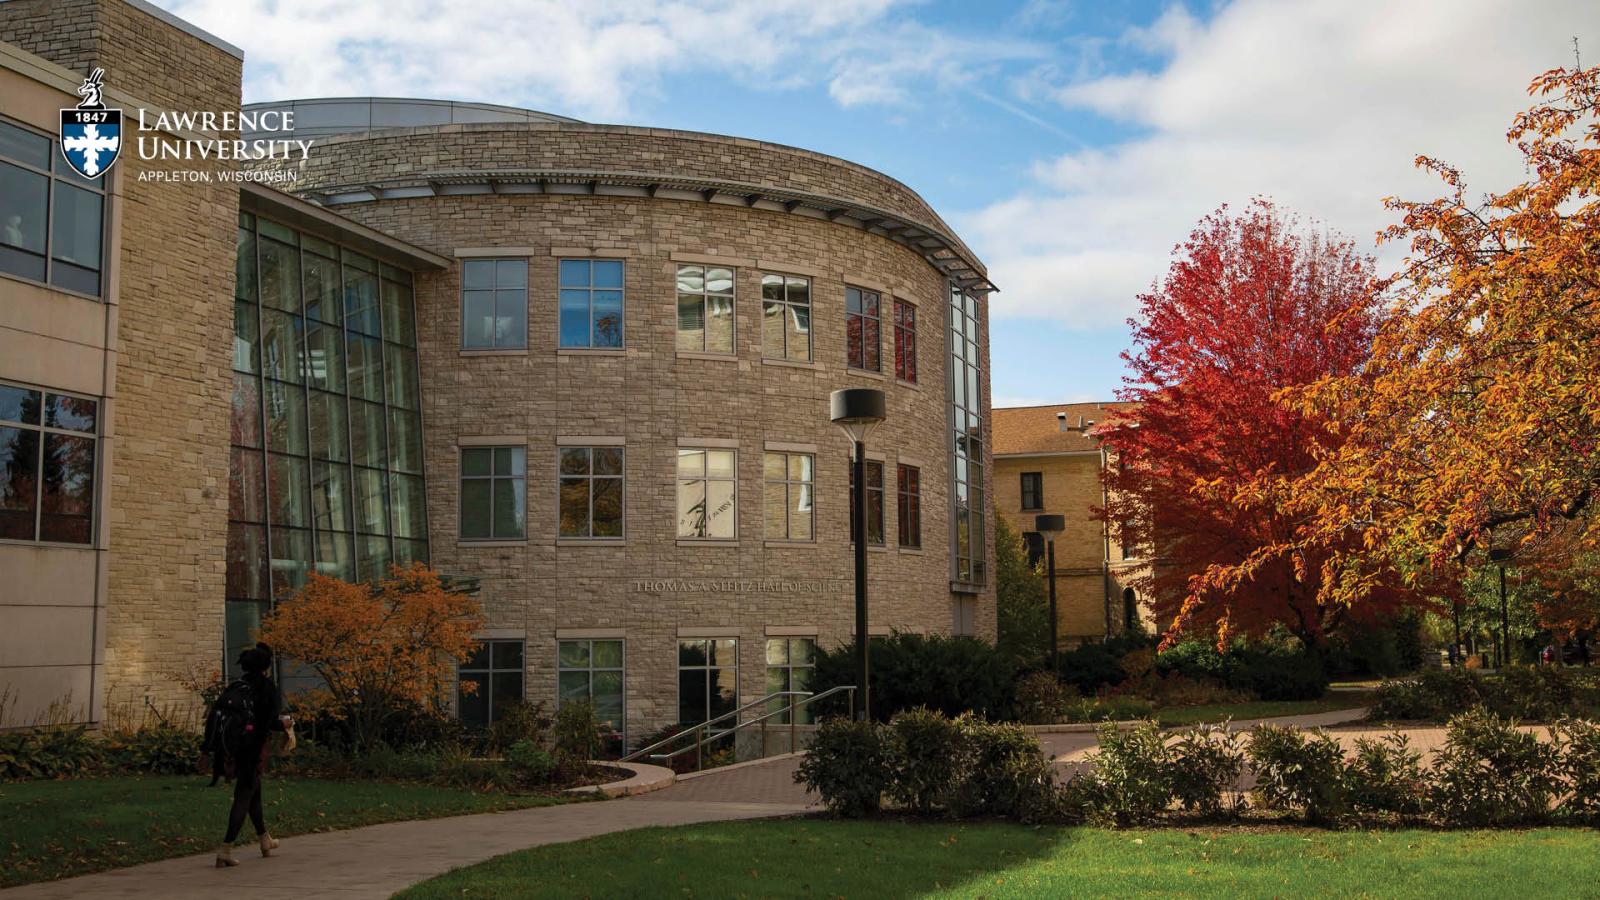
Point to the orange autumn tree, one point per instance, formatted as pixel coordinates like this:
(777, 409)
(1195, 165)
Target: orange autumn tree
(379, 648)
(1475, 425)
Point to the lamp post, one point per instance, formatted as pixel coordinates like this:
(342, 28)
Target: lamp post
(857, 411)
(1049, 526)
(1502, 556)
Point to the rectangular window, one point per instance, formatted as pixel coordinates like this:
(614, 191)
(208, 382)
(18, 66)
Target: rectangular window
(968, 508)
(591, 492)
(1032, 490)
(786, 317)
(489, 683)
(47, 465)
(708, 679)
(1034, 542)
(908, 487)
(52, 220)
(591, 303)
(874, 503)
(905, 341)
(862, 328)
(494, 304)
(705, 309)
(707, 494)
(790, 665)
(592, 670)
(493, 493)
(788, 491)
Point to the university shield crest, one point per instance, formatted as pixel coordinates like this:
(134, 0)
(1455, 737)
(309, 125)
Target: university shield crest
(91, 135)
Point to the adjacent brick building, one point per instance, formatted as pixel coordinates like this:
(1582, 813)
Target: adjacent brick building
(587, 366)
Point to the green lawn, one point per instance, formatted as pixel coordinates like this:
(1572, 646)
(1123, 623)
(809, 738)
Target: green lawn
(825, 858)
(1260, 709)
(51, 829)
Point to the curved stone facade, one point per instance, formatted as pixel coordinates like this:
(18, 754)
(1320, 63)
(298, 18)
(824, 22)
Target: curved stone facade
(652, 588)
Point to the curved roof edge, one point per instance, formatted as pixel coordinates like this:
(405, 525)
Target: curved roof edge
(327, 116)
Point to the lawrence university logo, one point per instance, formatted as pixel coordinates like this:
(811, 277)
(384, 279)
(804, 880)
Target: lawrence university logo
(91, 135)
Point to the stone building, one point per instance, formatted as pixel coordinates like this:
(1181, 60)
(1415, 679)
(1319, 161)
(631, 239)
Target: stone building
(586, 366)
(1047, 461)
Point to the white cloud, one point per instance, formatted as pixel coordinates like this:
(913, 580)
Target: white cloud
(1320, 105)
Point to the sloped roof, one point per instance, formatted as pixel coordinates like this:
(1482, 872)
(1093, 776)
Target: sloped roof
(1036, 429)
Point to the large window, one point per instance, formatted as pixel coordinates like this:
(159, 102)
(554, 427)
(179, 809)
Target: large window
(1032, 489)
(862, 329)
(788, 490)
(494, 493)
(874, 503)
(705, 309)
(968, 547)
(591, 303)
(786, 317)
(47, 465)
(790, 665)
(905, 341)
(326, 469)
(707, 495)
(489, 683)
(591, 492)
(52, 220)
(908, 488)
(494, 304)
(708, 679)
(592, 670)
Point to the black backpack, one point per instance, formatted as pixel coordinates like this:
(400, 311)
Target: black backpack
(229, 723)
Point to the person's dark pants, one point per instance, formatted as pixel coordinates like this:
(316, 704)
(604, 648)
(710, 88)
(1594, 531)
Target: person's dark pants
(246, 801)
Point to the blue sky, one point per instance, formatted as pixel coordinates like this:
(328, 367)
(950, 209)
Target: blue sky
(1070, 143)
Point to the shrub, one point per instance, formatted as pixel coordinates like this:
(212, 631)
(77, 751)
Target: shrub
(1129, 782)
(950, 674)
(1092, 665)
(1108, 709)
(1489, 773)
(1197, 660)
(850, 765)
(162, 749)
(1204, 764)
(49, 752)
(531, 760)
(1386, 776)
(1579, 743)
(1042, 699)
(577, 731)
(930, 758)
(1299, 771)
(518, 722)
(1279, 674)
(1007, 773)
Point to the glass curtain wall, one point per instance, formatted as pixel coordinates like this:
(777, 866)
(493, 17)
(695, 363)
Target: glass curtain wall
(966, 450)
(326, 425)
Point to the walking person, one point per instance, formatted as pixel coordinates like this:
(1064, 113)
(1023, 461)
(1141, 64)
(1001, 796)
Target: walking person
(238, 736)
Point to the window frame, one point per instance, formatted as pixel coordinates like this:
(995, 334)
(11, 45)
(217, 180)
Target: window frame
(494, 289)
(679, 480)
(622, 492)
(858, 342)
(621, 669)
(788, 306)
(908, 505)
(54, 176)
(1030, 486)
(784, 705)
(95, 465)
(490, 671)
(705, 296)
(462, 477)
(590, 289)
(883, 538)
(789, 486)
(707, 667)
(905, 341)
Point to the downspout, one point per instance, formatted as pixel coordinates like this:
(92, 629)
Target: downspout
(1105, 541)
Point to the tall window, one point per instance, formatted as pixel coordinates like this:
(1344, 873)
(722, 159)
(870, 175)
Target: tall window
(787, 495)
(874, 502)
(489, 683)
(1032, 490)
(591, 492)
(47, 465)
(790, 665)
(592, 670)
(52, 219)
(862, 328)
(905, 341)
(707, 494)
(708, 679)
(968, 543)
(591, 303)
(786, 317)
(493, 493)
(494, 304)
(908, 488)
(705, 309)
(1034, 542)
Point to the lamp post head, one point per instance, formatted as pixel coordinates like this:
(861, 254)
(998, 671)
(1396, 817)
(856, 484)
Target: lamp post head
(856, 411)
(1050, 525)
(1499, 555)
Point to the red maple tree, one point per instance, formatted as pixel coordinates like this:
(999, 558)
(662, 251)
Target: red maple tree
(1253, 303)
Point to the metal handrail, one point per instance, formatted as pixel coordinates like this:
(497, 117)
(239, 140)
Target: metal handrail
(701, 739)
